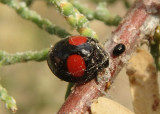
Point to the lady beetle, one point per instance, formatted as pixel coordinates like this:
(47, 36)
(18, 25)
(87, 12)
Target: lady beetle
(118, 49)
(77, 59)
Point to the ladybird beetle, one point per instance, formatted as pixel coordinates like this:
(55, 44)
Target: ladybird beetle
(118, 49)
(77, 59)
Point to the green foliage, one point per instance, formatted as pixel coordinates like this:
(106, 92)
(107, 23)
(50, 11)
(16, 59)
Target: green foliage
(28, 2)
(101, 13)
(104, 15)
(45, 24)
(155, 47)
(8, 100)
(74, 17)
(125, 2)
(70, 85)
(7, 59)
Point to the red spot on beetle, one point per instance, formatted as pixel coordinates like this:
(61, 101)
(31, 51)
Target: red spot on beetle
(76, 65)
(77, 40)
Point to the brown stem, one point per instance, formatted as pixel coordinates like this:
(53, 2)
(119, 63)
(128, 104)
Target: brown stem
(130, 32)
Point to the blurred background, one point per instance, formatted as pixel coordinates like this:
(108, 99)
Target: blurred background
(35, 88)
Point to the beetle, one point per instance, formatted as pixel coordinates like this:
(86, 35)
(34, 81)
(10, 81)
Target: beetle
(118, 49)
(77, 59)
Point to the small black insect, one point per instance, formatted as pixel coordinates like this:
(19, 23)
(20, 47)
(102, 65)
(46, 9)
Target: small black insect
(118, 49)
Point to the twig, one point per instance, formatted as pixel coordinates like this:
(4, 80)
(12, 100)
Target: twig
(27, 14)
(8, 100)
(6, 59)
(155, 47)
(70, 85)
(101, 13)
(143, 78)
(74, 17)
(138, 23)
(126, 3)
(110, 2)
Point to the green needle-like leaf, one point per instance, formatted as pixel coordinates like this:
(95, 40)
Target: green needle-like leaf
(8, 100)
(6, 58)
(30, 15)
(74, 17)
